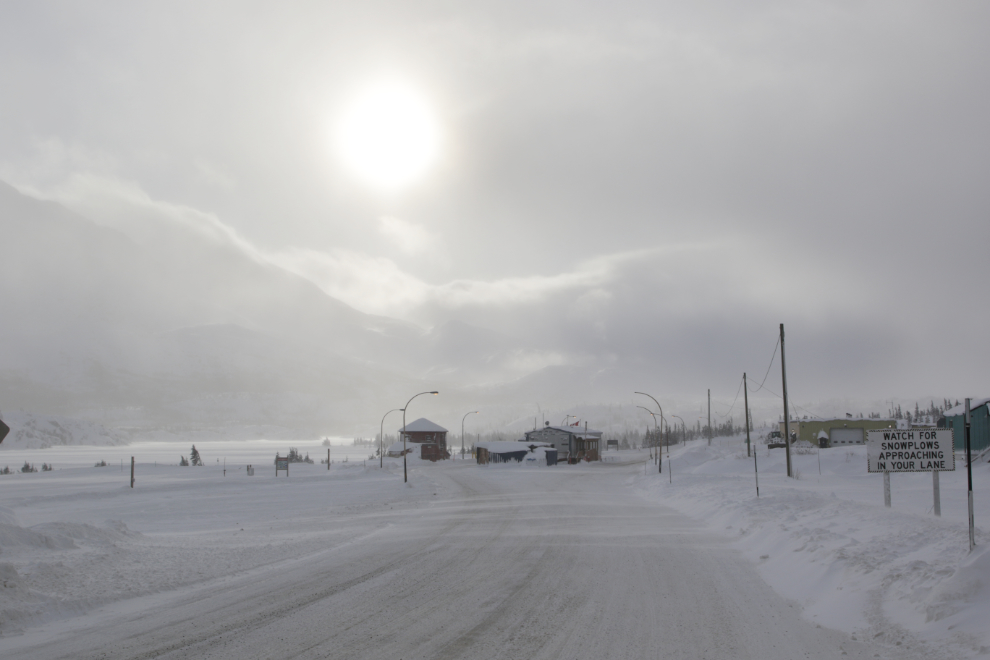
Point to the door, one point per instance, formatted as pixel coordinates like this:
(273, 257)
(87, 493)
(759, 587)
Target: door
(845, 436)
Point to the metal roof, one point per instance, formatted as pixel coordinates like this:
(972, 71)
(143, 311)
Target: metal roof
(961, 408)
(423, 425)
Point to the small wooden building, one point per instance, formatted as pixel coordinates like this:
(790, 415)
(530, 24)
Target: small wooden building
(432, 437)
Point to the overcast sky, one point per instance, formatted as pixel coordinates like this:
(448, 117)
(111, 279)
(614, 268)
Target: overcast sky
(657, 181)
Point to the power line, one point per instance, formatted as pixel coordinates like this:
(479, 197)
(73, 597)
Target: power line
(794, 404)
(761, 387)
(775, 347)
(733, 401)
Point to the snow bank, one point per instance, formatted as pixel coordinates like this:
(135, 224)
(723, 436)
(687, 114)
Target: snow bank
(396, 449)
(900, 575)
(41, 549)
(504, 446)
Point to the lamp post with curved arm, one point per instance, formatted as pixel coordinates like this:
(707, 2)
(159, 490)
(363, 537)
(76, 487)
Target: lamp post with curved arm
(381, 438)
(473, 412)
(405, 469)
(661, 419)
(684, 427)
(654, 416)
(566, 418)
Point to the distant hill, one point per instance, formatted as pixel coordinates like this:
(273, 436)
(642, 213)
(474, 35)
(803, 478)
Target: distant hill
(30, 431)
(145, 319)
(180, 325)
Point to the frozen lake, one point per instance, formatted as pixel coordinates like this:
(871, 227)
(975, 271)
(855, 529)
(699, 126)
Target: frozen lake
(236, 453)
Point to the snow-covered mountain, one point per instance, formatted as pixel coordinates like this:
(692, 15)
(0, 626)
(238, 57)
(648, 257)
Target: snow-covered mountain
(140, 318)
(174, 323)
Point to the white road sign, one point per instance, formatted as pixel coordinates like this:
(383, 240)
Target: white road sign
(914, 450)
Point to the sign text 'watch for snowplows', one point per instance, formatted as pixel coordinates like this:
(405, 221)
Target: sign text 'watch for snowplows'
(910, 450)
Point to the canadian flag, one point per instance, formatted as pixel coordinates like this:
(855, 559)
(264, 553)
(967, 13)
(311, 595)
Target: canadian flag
(577, 423)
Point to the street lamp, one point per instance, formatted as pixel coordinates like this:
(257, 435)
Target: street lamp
(405, 469)
(381, 438)
(654, 415)
(473, 412)
(567, 417)
(684, 429)
(661, 417)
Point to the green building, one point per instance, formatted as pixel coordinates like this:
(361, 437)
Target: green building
(979, 430)
(841, 431)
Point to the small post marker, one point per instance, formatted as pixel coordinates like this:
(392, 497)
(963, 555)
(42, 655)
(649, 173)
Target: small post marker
(969, 478)
(756, 472)
(935, 492)
(132, 472)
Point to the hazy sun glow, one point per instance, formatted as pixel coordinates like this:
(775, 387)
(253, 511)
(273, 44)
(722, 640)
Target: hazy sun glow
(388, 136)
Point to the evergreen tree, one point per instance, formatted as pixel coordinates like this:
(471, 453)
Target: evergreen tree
(194, 457)
(183, 462)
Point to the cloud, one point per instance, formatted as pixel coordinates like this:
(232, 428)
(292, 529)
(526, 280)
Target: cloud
(51, 161)
(214, 176)
(125, 206)
(375, 285)
(410, 238)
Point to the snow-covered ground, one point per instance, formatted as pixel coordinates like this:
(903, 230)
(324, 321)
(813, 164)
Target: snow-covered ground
(826, 541)
(79, 537)
(464, 560)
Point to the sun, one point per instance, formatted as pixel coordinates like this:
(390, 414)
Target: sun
(388, 136)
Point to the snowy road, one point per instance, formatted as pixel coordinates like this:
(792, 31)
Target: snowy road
(501, 563)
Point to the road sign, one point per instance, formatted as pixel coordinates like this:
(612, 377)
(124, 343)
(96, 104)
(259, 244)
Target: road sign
(281, 463)
(910, 450)
(4, 430)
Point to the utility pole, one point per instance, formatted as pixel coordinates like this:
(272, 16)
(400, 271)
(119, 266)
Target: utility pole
(709, 418)
(969, 477)
(746, 404)
(787, 417)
